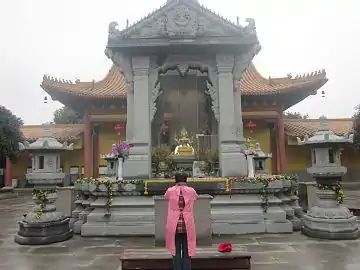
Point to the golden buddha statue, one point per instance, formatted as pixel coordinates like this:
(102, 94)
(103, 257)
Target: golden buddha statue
(184, 148)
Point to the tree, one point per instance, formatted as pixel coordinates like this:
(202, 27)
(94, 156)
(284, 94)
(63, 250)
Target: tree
(356, 128)
(295, 115)
(10, 133)
(66, 115)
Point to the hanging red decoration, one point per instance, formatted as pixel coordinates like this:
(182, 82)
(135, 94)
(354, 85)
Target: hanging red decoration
(165, 127)
(30, 156)
(119, 128)
(341, 150)
(251, 126)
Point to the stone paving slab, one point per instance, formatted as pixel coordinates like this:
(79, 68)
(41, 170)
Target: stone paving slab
(270, 252)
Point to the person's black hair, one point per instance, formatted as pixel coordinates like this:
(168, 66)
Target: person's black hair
(180, 178)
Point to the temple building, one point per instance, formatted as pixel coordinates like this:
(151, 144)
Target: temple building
(185, 97)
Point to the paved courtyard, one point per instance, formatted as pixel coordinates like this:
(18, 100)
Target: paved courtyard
(270, 252)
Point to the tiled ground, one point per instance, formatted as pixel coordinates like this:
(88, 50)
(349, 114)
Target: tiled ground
(270, 252)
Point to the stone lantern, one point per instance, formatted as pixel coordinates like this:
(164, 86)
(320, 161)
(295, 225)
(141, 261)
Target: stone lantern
(44, 225)
(328, 219)
(111, 165)
(260, 161)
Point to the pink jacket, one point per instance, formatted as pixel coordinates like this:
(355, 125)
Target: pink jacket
(190, 197)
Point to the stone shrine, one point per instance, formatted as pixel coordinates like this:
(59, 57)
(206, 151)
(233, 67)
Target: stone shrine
(44, 225)
(182, 39)
(329, 219)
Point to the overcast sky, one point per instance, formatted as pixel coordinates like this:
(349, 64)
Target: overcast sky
(67, 38)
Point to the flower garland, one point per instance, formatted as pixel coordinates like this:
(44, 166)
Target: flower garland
(337, 188)
(264, 181)
(41, 196)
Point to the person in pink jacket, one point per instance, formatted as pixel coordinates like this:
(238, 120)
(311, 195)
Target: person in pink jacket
(180, 235)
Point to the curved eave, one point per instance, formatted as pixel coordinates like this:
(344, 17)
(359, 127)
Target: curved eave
(310, 87)
(113, 86)
(56, 91)
(254, 84)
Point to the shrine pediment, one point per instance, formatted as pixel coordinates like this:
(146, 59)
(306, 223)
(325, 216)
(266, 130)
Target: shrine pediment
(182, 19)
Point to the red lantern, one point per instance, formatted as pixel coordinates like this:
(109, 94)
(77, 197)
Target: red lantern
(119, 128)
(341, 150)
(30, 156)
(165, 127)
(250, 125)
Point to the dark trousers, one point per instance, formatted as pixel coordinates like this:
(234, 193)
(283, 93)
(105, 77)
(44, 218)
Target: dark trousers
(182, 260)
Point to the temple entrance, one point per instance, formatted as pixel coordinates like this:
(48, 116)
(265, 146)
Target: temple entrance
(185, 105)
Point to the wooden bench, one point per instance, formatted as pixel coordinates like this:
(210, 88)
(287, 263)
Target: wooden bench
(206, 259)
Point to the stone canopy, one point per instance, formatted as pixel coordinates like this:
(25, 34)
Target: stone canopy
(182, 22)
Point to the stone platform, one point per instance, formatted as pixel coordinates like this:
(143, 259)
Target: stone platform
(133, 214)
(268, 252)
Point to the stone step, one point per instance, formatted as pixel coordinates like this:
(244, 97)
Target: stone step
(206, 258)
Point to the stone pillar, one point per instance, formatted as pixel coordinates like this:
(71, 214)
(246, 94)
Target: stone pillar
(8, 173)
(238, 116)
(130, 113)
(282, 142)
(96, 154)
(139, 163)
(87, 148)
(232, 161)
(273, 148)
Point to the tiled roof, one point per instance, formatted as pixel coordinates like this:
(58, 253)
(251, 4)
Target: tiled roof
(112, 86)
(62, 133)
(302, 127)
(252, 83)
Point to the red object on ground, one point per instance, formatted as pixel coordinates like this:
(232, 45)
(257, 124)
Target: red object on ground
(225, 247)
(119, 128)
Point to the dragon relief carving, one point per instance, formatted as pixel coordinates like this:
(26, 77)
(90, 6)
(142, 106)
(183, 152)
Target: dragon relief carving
(213, 92)
(155, 93)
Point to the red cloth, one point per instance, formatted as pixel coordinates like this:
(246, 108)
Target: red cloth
(225, 247)
(181, 227)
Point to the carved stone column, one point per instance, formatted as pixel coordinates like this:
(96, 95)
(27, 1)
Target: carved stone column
(232, 161)
(139, 163)
(129, 113)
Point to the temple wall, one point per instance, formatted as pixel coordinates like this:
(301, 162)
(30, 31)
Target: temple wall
(19, 168)
(107, 137)
(298, 160)
(262, 135)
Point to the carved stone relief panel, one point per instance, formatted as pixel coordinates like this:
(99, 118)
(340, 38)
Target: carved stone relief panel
(242, 61)
(182, 20)
(124, 64)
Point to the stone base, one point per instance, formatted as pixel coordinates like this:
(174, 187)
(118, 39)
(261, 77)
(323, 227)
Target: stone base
(230, 228)
(232, 161)
(130, 216)
(243, 214)
(118, 229)
(43, 233)
(331, 229)
(7, 193)
(137, 165)
(351, 235)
